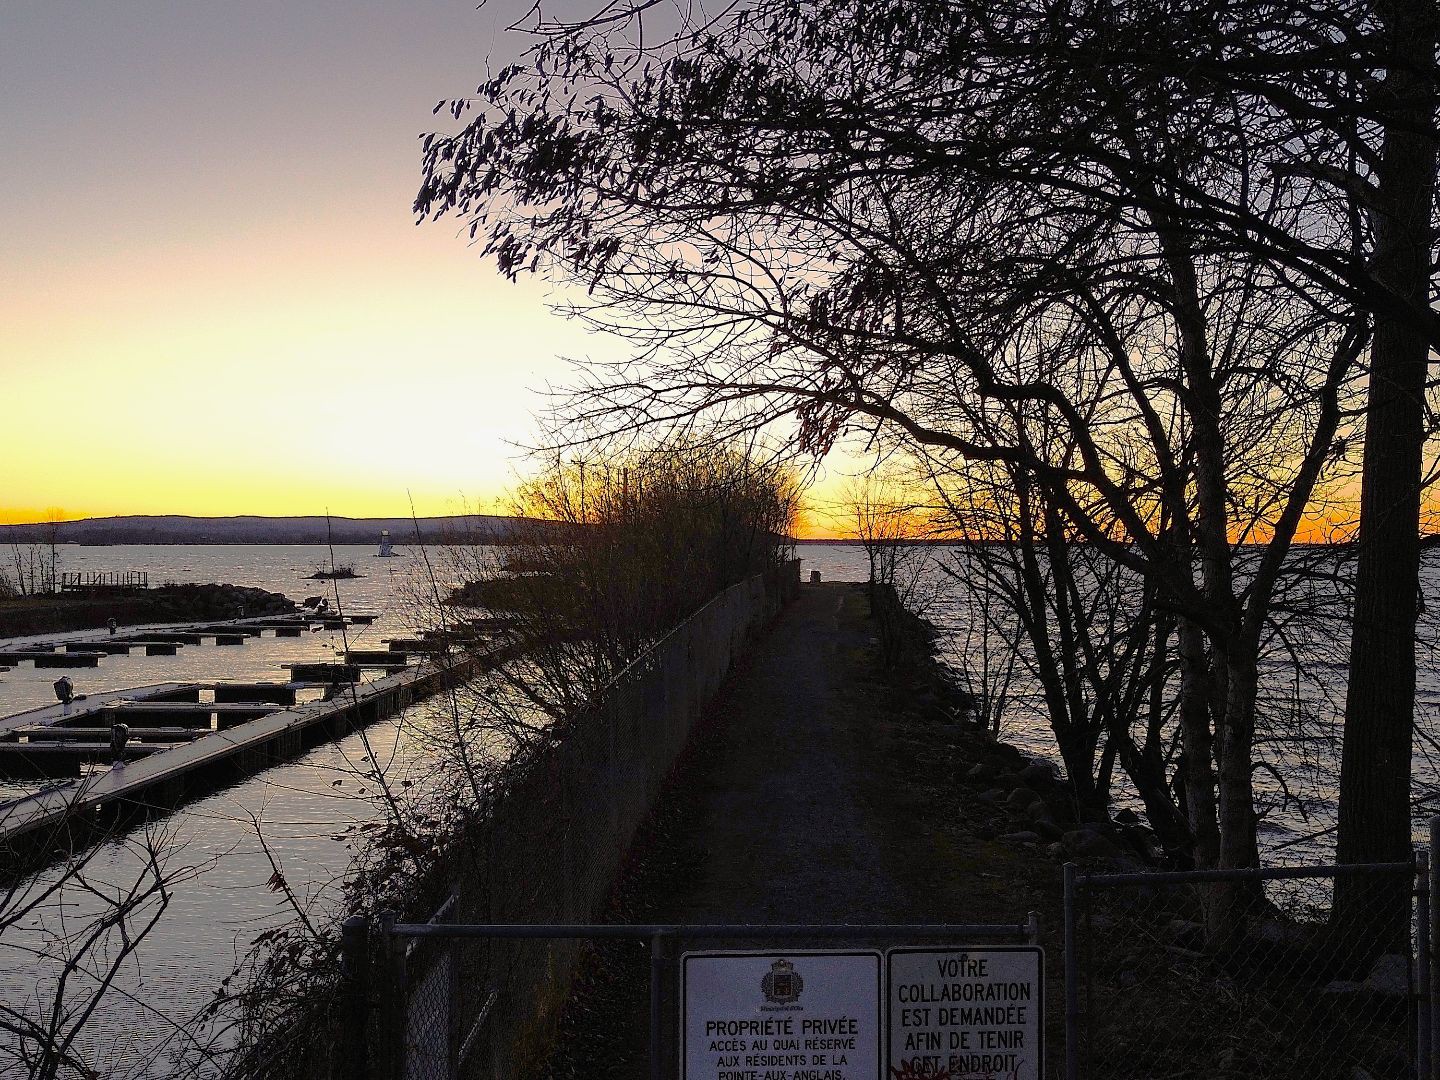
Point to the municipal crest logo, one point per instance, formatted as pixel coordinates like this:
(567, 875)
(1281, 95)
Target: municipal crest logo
(782, 984)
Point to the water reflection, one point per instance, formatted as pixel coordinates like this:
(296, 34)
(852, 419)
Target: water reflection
(222, 897)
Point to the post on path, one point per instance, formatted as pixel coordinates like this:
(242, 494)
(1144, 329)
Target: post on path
(390, 999)
(1423, 952)
(659, 943)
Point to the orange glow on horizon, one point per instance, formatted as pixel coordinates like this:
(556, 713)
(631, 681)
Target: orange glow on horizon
(816, 520)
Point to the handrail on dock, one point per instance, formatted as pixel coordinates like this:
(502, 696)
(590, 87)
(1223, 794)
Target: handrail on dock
(79, 580)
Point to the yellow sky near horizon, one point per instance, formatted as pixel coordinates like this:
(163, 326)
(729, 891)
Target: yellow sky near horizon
(278, 382)
(213, 297)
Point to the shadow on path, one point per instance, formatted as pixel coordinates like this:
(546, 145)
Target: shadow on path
(817, 790)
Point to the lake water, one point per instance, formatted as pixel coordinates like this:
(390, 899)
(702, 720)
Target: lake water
(222, 899)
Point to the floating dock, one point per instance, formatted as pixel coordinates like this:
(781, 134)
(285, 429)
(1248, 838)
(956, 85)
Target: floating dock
(189, 738)
(89, 648)
(48, 658)
(164, 769)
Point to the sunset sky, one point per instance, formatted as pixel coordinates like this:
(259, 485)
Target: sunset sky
(215, 298)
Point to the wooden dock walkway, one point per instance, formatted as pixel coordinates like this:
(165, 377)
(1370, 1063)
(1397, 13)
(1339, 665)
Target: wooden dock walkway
(187, 738)
(48, 715)
(167, 774)
(87, 648)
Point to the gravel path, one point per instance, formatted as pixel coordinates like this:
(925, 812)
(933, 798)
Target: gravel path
(784, 820)
(818, 790)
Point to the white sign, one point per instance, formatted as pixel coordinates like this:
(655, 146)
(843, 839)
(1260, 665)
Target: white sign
(966, 1014)
(780, 1016)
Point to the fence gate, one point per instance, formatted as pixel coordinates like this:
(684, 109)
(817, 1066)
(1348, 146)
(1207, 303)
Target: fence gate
(439, 1013)
(1150, 992)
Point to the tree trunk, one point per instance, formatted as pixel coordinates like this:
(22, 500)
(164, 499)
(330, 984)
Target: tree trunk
(1196, 740)
(1238, 848)
(1145, 765)
(1374, 823)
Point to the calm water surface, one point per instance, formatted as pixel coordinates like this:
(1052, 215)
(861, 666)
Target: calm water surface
(1294, 830)
(220, 899)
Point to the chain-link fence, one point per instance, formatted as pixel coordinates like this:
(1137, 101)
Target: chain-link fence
(1242, 974)
(431, 1046)
(1156, 985)
(1150, 990)
(549, 853)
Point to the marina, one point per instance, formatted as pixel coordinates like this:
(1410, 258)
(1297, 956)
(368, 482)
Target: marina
(181, 739)
(220, 803)
(182, 747)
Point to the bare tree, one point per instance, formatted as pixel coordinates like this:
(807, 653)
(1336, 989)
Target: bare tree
(892, 528)
(76, 925)
(1398, 185)
(1146, 229)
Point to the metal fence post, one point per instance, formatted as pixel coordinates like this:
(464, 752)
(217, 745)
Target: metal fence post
(456, 985)
(1072, 982)
(1434, 940)
(658, 942)
(355, 1000)
(1423, 1043)
(391, 1000)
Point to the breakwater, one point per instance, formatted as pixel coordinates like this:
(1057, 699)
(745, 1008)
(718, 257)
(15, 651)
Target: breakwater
(87, 609)
(549, 850)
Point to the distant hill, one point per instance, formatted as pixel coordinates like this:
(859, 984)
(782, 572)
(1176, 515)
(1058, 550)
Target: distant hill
(245, 529)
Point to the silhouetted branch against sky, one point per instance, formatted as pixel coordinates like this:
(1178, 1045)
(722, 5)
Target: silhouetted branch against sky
(1126, 251)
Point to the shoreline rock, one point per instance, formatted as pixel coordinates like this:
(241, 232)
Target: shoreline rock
(53, 614)
(1014, 796)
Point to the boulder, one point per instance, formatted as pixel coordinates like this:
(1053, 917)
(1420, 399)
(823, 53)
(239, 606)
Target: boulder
(1185, 932)
(1020, 799)
(962, 700)
(1048, 829)
(1390, 976)
(1090, 845)
(1192, 955)
(1039, 810)
(1341, 986)
(1021, 837)
(1126, 864)
(980, 773)
(1037, 773)
(1007, 754)
(1275, 932)
(1142, 840)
